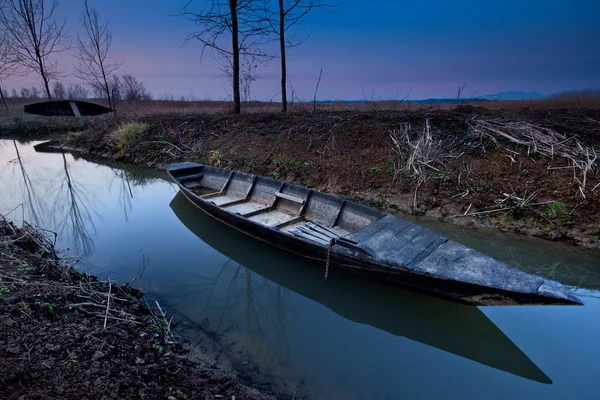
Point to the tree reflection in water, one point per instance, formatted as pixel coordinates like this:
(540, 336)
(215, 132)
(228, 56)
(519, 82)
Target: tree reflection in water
(247, 311)
(73, 213)
(33, 205)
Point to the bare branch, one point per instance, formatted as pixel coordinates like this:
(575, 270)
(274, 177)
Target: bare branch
(94, 66)
(34, 36)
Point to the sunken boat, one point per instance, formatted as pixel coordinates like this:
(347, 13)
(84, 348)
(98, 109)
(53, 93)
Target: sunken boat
(66, 108)
(350, 237)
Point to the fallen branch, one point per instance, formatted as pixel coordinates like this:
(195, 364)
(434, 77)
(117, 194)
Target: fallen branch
(107, 303)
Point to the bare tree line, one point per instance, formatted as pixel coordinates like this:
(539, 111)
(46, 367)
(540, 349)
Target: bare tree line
(30, 40)
(125, 87)
(235, 32)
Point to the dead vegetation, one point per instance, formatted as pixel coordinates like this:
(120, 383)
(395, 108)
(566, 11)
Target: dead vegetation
(419, 154)
(547, 142)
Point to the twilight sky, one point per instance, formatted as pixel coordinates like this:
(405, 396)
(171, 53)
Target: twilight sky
(418, 49)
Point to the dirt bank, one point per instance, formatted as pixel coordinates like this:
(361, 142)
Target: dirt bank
(66, 335)
(531, 172)
(22, 125)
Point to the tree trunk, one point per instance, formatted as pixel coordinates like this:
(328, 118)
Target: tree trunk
(2, 96)
(237, 104)
(46, 85)
(282, 50)
(107, 90)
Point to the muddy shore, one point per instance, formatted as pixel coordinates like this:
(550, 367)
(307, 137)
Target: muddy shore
(529, 172)
(64, 334)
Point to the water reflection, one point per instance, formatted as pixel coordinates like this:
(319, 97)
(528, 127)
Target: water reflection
(455, 328)
(32, 204)
(73, 206)
(60, 193)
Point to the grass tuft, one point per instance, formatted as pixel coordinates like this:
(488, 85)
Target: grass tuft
(214, 158)
(129, 132)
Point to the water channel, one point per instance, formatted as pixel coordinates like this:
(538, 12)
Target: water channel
(342, 339)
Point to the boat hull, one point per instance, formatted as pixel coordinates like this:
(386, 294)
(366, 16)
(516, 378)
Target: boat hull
(69, 108)
(372, 268)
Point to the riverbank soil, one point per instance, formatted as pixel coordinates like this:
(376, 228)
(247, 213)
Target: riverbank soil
(534, 172)
(64, 334)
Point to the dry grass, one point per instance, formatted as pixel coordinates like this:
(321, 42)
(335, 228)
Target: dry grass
(163, 107)
(145, 108)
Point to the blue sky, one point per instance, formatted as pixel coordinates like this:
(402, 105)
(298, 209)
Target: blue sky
(393, 48)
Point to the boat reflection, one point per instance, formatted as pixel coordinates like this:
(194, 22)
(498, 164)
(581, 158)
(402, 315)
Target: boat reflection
(455, 328)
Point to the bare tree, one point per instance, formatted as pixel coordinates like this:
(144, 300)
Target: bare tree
(241, 23)
(133, 89)
(116, 88)
(25, 93)
(289, 14)
(77, 91)
(8, 62)
(34, 36)
(93, 64)
(58, 91)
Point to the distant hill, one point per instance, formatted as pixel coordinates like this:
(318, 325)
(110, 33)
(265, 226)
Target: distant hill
(515, 95)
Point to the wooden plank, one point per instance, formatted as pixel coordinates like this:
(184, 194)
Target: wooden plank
(322, 231)
(275, 199)
(401, 245)
(291, 221)
(325, 227)
(304, 236)
(256, 212)
(309, 232)
(224, 188)
(337, 217)
(211, 195)
(189, 177)
(303, 208)
(290, 198)
(249, 192)
(232, 203)
(271, 218)
(381, 225)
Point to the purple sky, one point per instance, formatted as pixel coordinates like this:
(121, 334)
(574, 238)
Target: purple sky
(419, 49)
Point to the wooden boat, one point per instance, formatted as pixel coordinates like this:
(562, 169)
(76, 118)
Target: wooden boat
(350, 237)
(72, 108)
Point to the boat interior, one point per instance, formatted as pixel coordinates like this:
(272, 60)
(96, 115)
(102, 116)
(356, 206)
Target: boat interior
(296, 210)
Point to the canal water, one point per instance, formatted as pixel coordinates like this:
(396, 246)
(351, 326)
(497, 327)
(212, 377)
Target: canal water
(277, 319)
